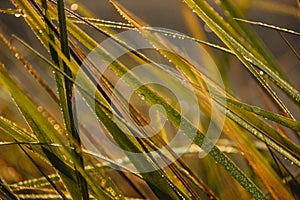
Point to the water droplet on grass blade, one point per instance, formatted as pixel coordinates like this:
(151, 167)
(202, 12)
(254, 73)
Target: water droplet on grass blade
(17, 15)
(40, 108)
(74, 6)
(261, 73)
(56, 126)
(142, 96)
(17, 55)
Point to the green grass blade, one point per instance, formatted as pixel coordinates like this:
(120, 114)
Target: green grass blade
(66, 103)
(263, 131)
(250, 35)
(236, 44)
(287, 122)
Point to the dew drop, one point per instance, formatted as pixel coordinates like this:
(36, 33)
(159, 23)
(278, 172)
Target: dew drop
(261, 73)
(102, 183)
(142, 96)
(51, 120)
(207, 28)
(292, 163)
(40, 31)
(283, 180)
(194, 11)
(162, 176)
(40, 108)
(17, 15)
(74, 6)
(56, 126)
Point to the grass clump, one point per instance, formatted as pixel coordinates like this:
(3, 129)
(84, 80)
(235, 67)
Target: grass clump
(134, 111)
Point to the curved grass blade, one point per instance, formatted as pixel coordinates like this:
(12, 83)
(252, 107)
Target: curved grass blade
(287, 122)
(269, 26)
(244, 52)
(278, 142)
(260, 132)
(250, 35)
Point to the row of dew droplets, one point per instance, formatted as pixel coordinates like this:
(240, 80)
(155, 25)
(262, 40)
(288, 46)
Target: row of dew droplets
(242, 180)
(50, 119)
(238, 175)
(257, 134)
(173, 187)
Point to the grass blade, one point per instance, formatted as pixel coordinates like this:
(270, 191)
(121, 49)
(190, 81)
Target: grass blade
(65, 96)
(244, 52)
